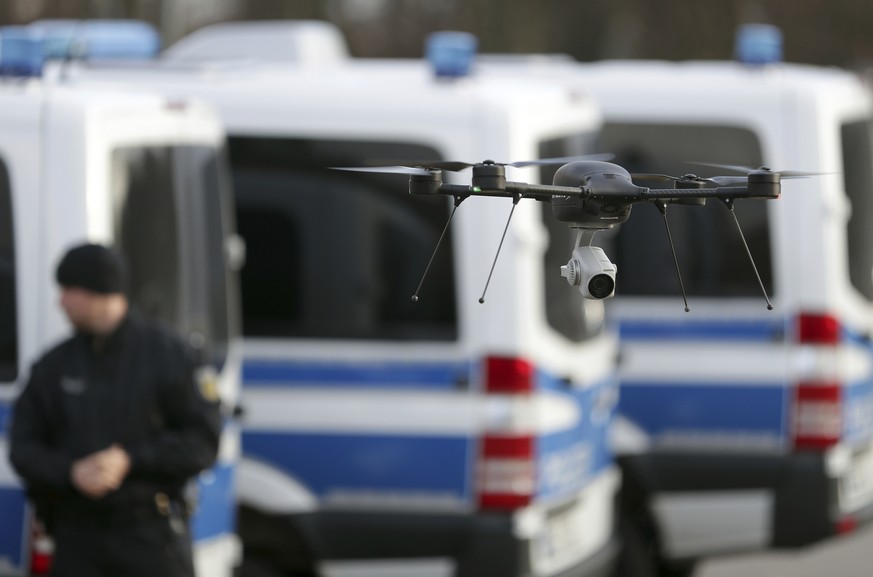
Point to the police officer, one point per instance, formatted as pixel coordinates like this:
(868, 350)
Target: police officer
(111, 425)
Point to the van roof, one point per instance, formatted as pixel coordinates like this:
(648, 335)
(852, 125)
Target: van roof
(403, 85)
(301, 42)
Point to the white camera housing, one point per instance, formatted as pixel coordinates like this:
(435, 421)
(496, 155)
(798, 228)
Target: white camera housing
(591, 271)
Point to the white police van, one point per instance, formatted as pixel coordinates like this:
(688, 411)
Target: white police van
(757, 424)
(386, 436)
(146, 175)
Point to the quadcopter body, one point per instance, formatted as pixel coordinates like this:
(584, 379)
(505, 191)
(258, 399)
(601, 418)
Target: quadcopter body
(589, 194)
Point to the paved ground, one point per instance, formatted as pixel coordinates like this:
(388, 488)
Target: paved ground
(847, 557)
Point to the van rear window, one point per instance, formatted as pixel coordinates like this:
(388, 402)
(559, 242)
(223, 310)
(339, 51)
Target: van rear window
(172, 215)
(8, 320)
(710, 252)
(332, 254)
(858, 181)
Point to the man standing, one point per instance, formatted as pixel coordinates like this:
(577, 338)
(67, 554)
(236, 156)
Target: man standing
(109, 429)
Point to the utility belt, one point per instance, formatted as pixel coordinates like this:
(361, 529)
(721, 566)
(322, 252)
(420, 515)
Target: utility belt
(162, 506)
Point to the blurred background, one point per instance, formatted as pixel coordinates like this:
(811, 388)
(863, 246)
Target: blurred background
(820, 32)
(823, 32)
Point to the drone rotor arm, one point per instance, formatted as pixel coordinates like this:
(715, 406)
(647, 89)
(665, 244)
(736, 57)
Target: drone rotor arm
(721, 192)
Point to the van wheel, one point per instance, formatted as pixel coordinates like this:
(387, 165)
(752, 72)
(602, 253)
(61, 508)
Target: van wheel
(253, 567)
(272, 548)
(637, 557)
(678, 569)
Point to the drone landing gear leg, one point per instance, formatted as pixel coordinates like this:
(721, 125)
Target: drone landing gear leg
(662, 208)
(729, 203)
(515, 200)
(458, 200)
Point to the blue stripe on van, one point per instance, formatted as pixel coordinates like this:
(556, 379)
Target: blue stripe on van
(12, 517)
(704, 329)
(338, 463)
(216, 509)
(741, 410)
(379, 374)
(858, 412)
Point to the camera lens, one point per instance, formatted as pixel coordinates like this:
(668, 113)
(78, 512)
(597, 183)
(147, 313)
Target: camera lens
(601, 286)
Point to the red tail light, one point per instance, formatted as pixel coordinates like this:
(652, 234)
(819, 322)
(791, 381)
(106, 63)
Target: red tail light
(818, 329)
(507, 472)
(817, 419)
(42, 550)
(846, 525)
(508, 375)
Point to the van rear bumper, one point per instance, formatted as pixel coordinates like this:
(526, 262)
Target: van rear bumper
(477, 545)
(803, 506)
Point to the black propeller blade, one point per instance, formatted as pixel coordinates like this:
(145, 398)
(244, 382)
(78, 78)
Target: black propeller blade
(748, 169)
(456, 166)
(384, 169)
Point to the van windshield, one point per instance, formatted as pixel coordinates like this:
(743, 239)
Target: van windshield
(171, 217)
(710, 252)
(332, 254)
(858, 181)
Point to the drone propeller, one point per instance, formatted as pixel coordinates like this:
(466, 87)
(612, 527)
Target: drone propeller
(749, 169)
(384, 169)
(456, 166)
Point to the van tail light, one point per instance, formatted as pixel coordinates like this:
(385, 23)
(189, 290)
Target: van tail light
(42, 550)
(508, 375)
(846, 525)
(818, 329)
(506, 468)
(817, 403)
(507, 472)
(817, 415)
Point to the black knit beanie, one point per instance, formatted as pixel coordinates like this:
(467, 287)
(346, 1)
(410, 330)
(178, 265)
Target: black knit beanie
(93, 267)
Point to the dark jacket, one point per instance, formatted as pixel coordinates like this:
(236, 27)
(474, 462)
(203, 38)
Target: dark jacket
(136, 388)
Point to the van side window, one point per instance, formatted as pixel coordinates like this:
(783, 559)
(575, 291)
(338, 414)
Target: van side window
(333, 254)
(858, 181)
(709, 249)
(8, 315)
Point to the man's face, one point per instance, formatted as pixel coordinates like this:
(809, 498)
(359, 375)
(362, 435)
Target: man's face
(81, 306)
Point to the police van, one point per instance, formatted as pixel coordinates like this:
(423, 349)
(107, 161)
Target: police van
(381, 435)
(752, 428)
(146, 175)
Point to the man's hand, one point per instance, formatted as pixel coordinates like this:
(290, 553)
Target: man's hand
(100, 472)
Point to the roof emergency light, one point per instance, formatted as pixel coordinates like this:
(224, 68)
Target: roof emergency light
(24, 49)
(758, 44)
(101, 39)
(451, 54)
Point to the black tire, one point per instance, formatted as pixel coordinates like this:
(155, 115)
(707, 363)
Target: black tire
(254, 567)
(677, 569)
(637, 557)
(272, 547)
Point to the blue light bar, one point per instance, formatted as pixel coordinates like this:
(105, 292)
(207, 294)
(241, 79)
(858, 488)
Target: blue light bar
(102, 39)
(21, 51)
(24, 49)
(758, 44)
(451, 54)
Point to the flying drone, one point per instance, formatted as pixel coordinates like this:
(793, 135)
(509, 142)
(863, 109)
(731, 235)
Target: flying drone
(590, 194)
